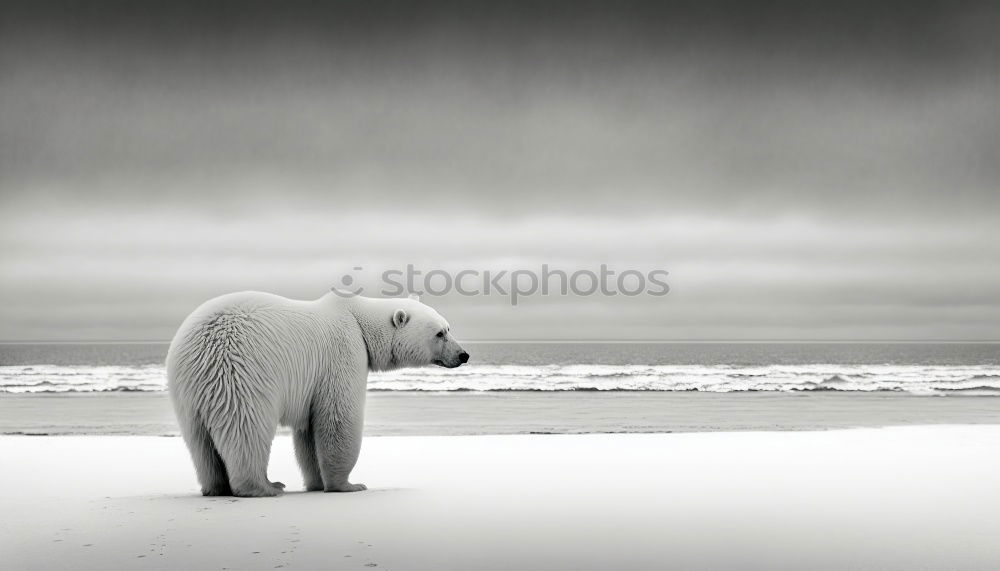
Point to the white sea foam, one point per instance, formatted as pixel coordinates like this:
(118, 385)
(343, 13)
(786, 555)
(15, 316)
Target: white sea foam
(81, 378)
(916, 379)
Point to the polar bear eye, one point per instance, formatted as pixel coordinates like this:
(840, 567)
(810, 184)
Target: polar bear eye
(440, 334)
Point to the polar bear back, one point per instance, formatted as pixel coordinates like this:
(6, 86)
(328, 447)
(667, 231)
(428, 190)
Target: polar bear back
(254, 354)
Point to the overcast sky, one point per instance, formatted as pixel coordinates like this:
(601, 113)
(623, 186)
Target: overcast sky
(803, 170)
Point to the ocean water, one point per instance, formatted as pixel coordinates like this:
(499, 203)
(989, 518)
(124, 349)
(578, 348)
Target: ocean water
(921, 369)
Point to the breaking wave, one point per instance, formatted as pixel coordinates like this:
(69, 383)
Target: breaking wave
(915, 379)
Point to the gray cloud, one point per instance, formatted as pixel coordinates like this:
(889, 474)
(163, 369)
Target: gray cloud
(644, 105)
(804, 170)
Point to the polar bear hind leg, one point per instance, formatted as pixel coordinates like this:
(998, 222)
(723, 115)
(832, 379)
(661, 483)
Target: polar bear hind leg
(305, 452)
(208, 464)
(229, 396)
(245, 451)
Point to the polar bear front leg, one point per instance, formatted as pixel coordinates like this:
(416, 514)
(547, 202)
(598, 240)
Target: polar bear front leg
(337, 422)
(338, 444)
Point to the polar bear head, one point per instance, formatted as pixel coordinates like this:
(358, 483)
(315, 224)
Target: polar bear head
(423, 337)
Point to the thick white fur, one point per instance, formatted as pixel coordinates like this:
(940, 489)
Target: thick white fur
(243, 363)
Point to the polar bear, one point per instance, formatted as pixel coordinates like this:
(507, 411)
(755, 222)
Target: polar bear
(243, 363)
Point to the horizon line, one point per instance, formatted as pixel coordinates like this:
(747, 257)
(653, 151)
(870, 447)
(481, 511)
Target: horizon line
(569, 341)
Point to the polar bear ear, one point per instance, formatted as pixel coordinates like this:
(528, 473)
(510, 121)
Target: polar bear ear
(414, 297)
(400, 318)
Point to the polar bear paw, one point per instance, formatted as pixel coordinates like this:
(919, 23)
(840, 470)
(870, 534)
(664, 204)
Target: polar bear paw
(217, 490)
(345, 487)
(267, 490)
